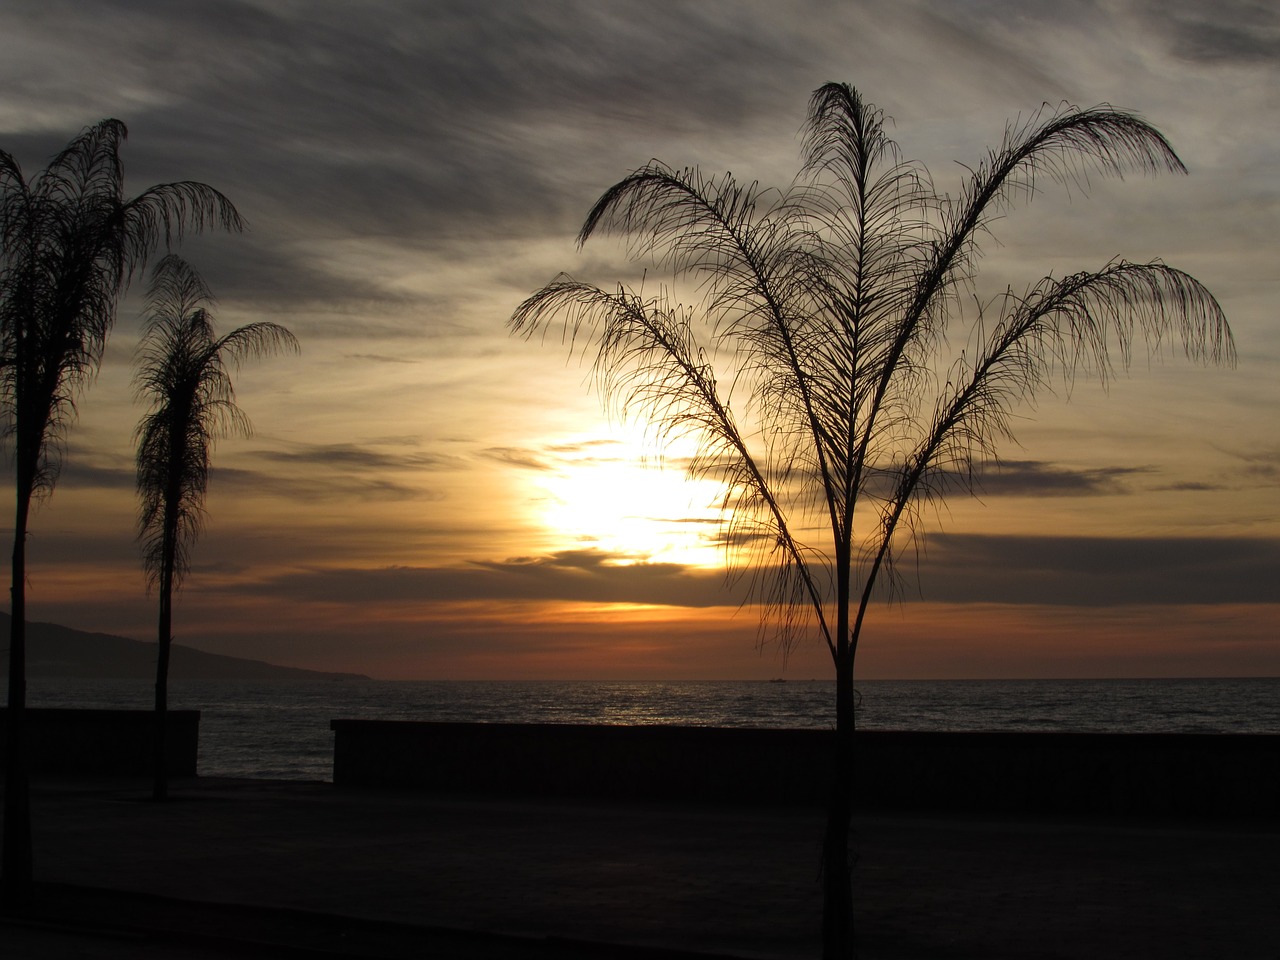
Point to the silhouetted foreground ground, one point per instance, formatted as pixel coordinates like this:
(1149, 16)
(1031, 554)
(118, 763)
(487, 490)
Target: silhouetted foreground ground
(235, 868)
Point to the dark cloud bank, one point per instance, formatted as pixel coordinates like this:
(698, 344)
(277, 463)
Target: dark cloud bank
(1068, 571)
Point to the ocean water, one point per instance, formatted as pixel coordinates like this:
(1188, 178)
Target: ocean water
(280, 730)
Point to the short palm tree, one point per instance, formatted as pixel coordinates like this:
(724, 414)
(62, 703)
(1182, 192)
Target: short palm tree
(183, 376)
(860, 377)
(71, 240)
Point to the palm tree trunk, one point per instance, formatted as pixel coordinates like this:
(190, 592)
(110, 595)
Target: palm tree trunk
(160, 768)
(160, 771)
(17, 866)
(837, 872)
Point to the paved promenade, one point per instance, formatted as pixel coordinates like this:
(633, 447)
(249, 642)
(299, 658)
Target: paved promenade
(271, 869)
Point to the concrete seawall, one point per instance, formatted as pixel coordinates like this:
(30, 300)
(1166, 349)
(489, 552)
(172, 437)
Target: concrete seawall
(108, 742)
(1130, 774)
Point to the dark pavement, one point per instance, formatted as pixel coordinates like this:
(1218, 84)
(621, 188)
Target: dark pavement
(273, 869)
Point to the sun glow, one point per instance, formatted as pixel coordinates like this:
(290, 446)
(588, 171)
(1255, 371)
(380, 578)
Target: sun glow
(623, 498)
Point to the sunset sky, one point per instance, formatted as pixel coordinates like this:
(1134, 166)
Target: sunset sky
(425, 496)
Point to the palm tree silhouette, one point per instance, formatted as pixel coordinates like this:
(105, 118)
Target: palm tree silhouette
(71, 243)
(182, 374)
(860, 375)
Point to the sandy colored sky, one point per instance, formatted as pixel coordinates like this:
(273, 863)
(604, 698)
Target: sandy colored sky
(426, 497)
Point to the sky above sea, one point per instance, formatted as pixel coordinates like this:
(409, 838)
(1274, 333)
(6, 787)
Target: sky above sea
(427, 497)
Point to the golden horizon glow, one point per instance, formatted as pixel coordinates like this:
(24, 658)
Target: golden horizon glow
(427, 496)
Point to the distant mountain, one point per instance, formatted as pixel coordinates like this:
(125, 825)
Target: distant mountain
(56, 651)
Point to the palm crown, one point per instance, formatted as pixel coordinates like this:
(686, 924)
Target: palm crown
(835, 302)
(72, 241)
(183, 376)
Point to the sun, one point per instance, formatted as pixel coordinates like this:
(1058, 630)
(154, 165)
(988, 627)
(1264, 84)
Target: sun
(623, 497)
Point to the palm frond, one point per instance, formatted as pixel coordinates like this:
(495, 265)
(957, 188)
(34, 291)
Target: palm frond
(647, 360)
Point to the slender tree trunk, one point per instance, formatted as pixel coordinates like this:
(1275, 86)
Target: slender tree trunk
(160, 771)
(837, 867)
(160, 767)
(17, 866)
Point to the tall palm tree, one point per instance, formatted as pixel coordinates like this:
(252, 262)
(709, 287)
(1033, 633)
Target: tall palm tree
(860, 375)
(182, 374)
(71, 242)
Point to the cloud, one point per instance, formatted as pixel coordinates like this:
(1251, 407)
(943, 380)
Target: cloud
(1229, 31)
(313, 486)
(1025, 478)
(1262, 465)
(429, 119)
(305, 471)
(78, 473)
(1098, 571)
(574, 454)
(379, 358)
(582, 576)
(51, 551)
(1193, 486)
(516, 457)
(269, 272)
(954, 568)
(387, 120)
(351, 455)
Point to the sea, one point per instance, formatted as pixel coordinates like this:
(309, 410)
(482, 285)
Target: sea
(279, 730)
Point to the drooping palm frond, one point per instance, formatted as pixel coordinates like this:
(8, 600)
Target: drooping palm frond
(1081, 323)
(751, 253)
(1064, 148)
(649, 361)
(167, 211)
